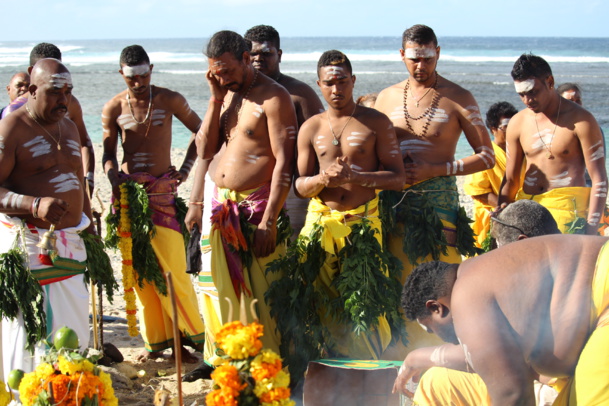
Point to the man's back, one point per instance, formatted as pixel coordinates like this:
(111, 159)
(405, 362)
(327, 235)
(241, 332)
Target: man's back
(306, 102)
(531, 308)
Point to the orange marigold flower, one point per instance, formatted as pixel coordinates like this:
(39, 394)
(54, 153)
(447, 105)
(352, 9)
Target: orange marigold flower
(222, 397)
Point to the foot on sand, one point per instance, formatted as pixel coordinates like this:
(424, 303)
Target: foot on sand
(145, 355)
(203, 371)
(187, 357)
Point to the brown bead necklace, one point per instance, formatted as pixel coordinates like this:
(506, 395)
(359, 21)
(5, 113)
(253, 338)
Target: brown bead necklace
(429, 111)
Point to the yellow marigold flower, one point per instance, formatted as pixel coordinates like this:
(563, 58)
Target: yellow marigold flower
(108, 398)
(274, 395)
(44, 370)
(238, 341)
(227, 376)
(266, 365)
(222, 397)
(68, 367)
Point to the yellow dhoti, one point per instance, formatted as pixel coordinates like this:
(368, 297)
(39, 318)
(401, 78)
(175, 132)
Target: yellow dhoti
(155, 310)
(590, 384)
(566, 204)
(336, 229)
(443, 386)
(255, 281)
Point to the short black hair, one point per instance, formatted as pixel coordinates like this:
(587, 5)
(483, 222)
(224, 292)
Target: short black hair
(226, 41)
(498, 110)
(42, 51)
(134, 55)
(523, 217)
(263, 33)
(333, 58)
(419, 34)
(530, 66)
(565, 87)
(426, 282)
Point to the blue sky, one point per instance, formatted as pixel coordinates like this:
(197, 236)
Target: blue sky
(48, 20)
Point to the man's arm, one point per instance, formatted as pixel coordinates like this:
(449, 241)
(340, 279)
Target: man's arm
(110, 130)
(513, 166)
(197, 196)
(308, 183)
(281, 124)
(87, 152)
(417, 361)
(591, 141)
(209, 139)
(192, 121)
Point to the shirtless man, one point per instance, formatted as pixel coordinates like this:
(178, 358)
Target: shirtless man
(559, 139)
(41, 184)
(508, 323)
(46, 50)
(17, 86)
(253, 119)
(429, 114)
(345, 155)
(141, 115)
(266, 57)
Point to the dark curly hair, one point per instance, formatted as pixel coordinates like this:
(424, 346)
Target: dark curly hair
(419, 34)
(263, 33)
(332, 58)
(498, 110)
(531, 66)
(42, 51)
(134, 55)
(426, 282)
(226, 41)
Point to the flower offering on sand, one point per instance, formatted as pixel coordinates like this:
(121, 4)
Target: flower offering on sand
(250, 375)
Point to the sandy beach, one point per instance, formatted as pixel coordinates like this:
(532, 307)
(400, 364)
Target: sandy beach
(160, 373)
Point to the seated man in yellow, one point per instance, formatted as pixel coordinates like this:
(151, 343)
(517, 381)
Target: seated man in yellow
(472, 308)
(340, 155)
(484, 186)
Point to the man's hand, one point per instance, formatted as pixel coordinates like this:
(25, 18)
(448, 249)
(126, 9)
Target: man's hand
(194, 216)
(416, 170)
(217, 91)
(405, 374)
(52, 210)
(337, 174)
(265, 239)
(180, 175)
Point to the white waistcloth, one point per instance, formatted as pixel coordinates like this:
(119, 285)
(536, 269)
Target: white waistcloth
(66, 302)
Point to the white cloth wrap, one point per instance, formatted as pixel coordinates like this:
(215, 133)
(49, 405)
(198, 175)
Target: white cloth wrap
(66, 302)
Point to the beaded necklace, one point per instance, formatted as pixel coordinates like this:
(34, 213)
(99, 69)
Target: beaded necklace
(429, 111)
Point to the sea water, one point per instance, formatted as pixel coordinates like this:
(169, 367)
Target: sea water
(481, 65)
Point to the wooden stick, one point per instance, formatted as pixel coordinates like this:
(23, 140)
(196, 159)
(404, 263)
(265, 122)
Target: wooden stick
(177, 347)
(94, 314)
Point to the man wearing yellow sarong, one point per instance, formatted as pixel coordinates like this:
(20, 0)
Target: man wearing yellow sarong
(560, 140)
(484, 186)
(502, 321)
(429, 113)
(252, 119)
(141, 117)
(340, 170)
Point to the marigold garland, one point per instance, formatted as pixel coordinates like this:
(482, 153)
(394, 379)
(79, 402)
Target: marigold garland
(126, 246)
(250, 375)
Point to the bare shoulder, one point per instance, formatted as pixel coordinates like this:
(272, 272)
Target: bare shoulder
(114, 104)
(11, 126)
(373, 118)
(576, 113)
(296, 87)
(312, 124)
(267, 90)
(392, 91)
(454, 92)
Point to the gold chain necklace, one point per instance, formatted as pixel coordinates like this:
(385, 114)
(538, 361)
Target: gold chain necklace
(147, 113)
(238, 108)
(548, 146)
(57, 141)
(429, 111)
(336, 139)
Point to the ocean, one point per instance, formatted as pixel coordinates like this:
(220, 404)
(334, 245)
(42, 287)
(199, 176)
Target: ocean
(480, 64)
